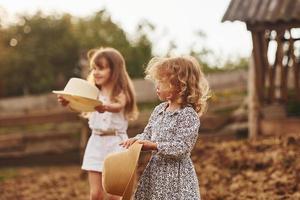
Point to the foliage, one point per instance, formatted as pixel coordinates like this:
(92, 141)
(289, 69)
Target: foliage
(41, 52)
(293, 107)
(36, 50)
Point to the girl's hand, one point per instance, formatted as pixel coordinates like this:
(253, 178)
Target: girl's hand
(62, 101)
(127, 143)
(148, 145)
(101, 108)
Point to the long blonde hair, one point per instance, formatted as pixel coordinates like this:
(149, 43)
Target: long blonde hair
(183, 74)
(119, 77)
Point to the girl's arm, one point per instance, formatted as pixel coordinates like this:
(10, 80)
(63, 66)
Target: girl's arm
(185, 139)
(146, 134)
(113, 107)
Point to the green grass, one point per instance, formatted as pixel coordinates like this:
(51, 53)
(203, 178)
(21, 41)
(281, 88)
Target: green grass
(293, 108)
(7, 173)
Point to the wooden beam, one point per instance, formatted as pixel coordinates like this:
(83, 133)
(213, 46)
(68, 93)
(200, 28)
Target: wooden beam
(253, 27)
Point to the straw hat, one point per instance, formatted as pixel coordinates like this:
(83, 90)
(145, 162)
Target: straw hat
(82, 95)
(119, 171)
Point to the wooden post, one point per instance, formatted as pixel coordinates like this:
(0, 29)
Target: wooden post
(257, 55)
(284, 72)
(279, 77)
(283, 84)
(296, 67)
(84, 135)
(253, 102)
(297, 79)
(256, 83)
(85, 130)
(272, 73)
(265, 62)
(276, 66)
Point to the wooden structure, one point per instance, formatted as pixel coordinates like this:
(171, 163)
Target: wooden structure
(273, 75)
(31, 136)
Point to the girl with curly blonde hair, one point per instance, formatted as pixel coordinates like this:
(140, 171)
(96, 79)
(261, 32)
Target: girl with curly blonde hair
(172, 130)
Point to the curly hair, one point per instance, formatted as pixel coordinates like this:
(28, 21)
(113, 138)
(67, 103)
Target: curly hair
(184, 75)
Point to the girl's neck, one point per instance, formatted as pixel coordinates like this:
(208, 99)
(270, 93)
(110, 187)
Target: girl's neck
(173, 105)
(106, 89)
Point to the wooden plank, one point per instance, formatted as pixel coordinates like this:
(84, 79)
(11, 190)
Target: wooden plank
(18, 141)
(25, 144)
(49, 135)
(38, 118)
(280, 126)
(11, 142)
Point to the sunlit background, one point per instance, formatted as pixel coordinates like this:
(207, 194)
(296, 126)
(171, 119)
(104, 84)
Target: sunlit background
(44, 43)
(176, 22)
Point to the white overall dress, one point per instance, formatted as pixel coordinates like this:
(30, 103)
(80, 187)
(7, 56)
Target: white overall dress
(99, 145)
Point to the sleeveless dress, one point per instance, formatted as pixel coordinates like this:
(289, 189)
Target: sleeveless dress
(99, 146)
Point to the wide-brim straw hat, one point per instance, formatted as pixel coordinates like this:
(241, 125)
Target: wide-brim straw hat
(119, 171)
(82, 95)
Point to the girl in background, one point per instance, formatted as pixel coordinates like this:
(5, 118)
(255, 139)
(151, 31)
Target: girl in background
(109, 122)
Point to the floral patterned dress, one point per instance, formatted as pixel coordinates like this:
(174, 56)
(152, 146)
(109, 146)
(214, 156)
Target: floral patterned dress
(170, 174)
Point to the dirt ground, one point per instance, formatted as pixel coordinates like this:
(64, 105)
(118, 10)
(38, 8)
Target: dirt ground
(266, 169)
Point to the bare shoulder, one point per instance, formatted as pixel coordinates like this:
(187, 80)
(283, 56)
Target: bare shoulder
(121, 98)
(121, 95)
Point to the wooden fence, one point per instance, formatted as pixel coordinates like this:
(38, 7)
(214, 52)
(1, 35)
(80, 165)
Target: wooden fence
(26, 141)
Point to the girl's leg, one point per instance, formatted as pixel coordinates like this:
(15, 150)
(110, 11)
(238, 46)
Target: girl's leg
(95, 181)
(113, 197)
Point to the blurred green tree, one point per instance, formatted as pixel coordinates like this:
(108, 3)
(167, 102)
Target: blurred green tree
(36, 50)
(40, 52)
(100, 31)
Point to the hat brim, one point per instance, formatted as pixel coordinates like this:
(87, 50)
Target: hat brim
(129, 188)
(79, 103)
(123, 187)
(135, 153)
